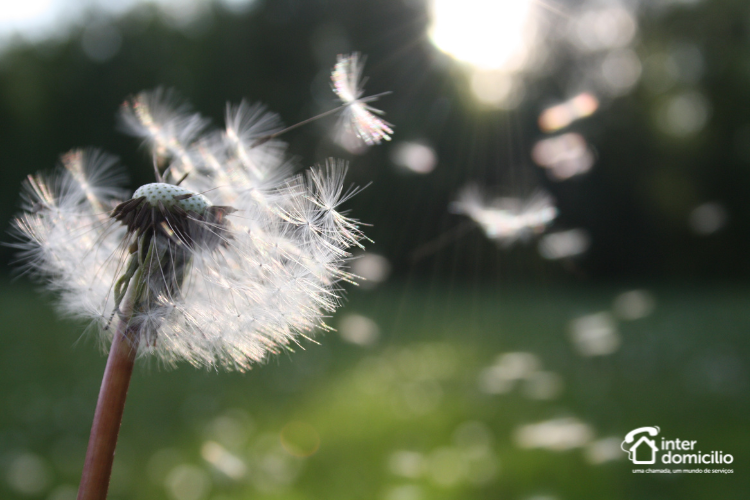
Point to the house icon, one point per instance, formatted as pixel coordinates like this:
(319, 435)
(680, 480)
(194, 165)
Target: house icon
(640, 453)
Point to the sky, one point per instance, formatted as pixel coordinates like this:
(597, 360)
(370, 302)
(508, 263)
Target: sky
(35, 20)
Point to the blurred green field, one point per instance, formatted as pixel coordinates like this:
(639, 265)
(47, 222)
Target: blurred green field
(402, 419)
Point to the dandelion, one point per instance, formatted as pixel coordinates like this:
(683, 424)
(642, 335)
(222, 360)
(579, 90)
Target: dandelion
(359, 117)
(214, 273)
(225, 259)
(506, 220)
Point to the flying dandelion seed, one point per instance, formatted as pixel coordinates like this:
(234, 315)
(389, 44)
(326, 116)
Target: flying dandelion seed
(359, 117)
(564, 244)
(506, 220)
(225, 259)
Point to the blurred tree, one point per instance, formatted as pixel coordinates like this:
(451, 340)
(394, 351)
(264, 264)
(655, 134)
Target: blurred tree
(635, 203)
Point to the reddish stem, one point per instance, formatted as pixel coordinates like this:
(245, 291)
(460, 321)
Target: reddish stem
(101, 451)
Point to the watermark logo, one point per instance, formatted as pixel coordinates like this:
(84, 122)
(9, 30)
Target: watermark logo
(640, 448)
(644, 448)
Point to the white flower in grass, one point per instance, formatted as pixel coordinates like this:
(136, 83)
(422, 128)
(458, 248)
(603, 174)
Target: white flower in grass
(359, 117)
(223, 260)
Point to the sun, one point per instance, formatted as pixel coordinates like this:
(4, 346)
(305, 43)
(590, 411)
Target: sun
(487, 34)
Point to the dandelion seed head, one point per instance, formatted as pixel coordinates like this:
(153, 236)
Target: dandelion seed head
(170, 195)
(225, 260)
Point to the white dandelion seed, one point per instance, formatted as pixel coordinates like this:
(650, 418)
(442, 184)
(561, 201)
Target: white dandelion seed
(165, 123)
(359, 117)
(224, 260)
(506, 220)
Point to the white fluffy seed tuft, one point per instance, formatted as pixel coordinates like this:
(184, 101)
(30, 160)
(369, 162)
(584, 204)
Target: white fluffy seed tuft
(278, 244)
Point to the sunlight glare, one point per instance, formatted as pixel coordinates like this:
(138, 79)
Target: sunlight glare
(488, 34)
(20, 12)
(27, 18)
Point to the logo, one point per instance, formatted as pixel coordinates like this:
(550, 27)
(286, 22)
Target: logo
(643, 448)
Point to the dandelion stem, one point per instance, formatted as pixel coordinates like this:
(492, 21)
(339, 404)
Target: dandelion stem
(101, 451)
(262, 140)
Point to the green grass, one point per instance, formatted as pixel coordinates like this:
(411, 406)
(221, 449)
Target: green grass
(412, 399)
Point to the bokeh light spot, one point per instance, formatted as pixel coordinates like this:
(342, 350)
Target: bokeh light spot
(224, 461)
(231, 429)
(620, 71)
(358, 329)
(557, 435)
(543, 385)
(595, 334)
(684, 114)
(406, 463)
(447, 466)
(563, 114)
(496, 88)
(405, 492)
(564, 156)
(604, 450)
(604, 28)
(708, 218)
(187, 482)
(372, 267)
(635, 304)
(64, 492)
(28, 474)
(101, 41)
(300, 439)
(414, 156)
(564, 244)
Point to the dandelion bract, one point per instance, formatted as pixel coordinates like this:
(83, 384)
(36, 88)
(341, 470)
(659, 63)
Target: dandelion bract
(224, 259)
